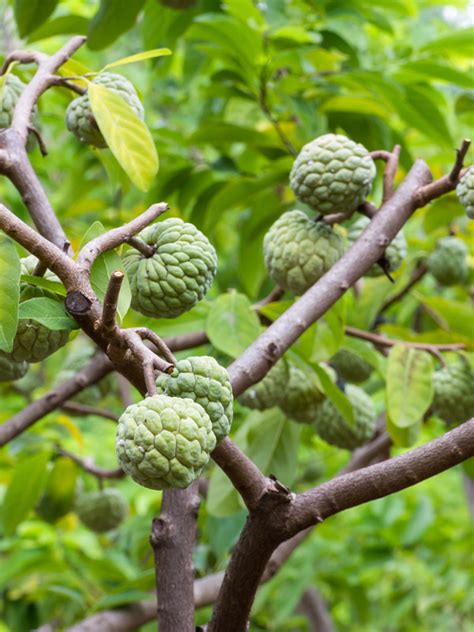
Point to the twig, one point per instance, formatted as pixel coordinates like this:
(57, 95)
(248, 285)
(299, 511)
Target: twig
(109, 311)
(380, 154)
(117, 236)
(368, 209)
(75, 408)
(314, 608)
(382, 341)
(22, 57)
(89, 466)
(390, 172)
(162, 347)
(41, 144)
(141, 246)
(418, 273)
(275, 295)
(65, 82)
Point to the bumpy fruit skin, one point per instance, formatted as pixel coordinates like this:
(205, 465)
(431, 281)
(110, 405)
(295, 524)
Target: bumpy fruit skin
(12, 89)
(164, 441)
(454, 393)
(269, 391)
(205, 381)
(102, 511)
(351, 367)
(11, 370)
(395, 252)
(298, 251)
(465, 192)
(301, 396)
(448, 261)
(80, 119)
(177, 276)
(334, 429)
(332, 174)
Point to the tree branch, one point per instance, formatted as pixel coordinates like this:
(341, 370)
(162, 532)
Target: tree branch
(314, 608)
(390, 173)
(109, 310)
(382, 341)
(89, 466)
(82, 409)
(418, 273)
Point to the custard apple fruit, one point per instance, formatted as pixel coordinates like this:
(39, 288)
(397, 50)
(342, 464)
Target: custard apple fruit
(299, 251)
(448, 261)
(269, 391)
(102, 511)
(11, 370)
(395, 252)
(453, 399)
(80, 119)
(332, 174)
(301, 396)
(465, 192)
(333, 427)
(177, 275)
(351, 367)
(164, 441)
(9, 94)
(205, 381)
(33, 341)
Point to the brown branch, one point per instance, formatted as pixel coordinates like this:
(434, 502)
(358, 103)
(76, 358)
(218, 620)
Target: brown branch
(173, 536)
(390, 172)
(159, 343)
(275, 295)
(89, 466)
(417, 274)
(74, 408)
(380, 154)
(382, 341)
(109, 311)
(141, 246)
(187, 341)
(39, 139)
(314, 608)
(22, 57)
(117, 236)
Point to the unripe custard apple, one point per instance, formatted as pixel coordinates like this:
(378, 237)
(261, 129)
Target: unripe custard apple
(331, 426)
(177, 275)
(448, 261)
(351, 367)
(11, 370)
(395, 252)
(301, 396)
(332, 174)
(80, 119)
(164, 441)
(270, 390)
(9, 95)
(103, 510)
(454, 393)
(465, 192)
(299, 251)
(205, 381)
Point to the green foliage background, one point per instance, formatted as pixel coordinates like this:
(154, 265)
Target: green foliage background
(247, 82)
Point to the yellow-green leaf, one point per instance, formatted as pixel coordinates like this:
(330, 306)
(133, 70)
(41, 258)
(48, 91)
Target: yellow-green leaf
(9, 292)
(131, 59)
(127, 136)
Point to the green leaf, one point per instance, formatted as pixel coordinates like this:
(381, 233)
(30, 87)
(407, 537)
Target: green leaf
(113, 18)
(453, 315)
(354, 104)
(127, 136)
(222, 498)
(335, 395)
(30, 14)
(10, 271)
(421, 69)
(232, 324)
(409, 385)
(422, 518)
(329, 332)
(403, 437)
(51, 286)
(60, 490)
(63, 25)
(459, 43)
(23, 492)
(131, 59)
(48, 312)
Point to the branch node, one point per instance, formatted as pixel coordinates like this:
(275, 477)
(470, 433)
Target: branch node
(77, 304)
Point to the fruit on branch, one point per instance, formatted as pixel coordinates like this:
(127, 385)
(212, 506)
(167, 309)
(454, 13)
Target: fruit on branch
(448, 261)
(453, 399)
(177, 275)
(11, 370)
(351, 367)
(269, 391)
(9, 94)
(465, 192)
(80, 119)
(164, 441)
(301, 396)
(298, 251)
(331, 426)
(395, 252)
(33, 341)
(205, 381)
(103, 510)
(332, 174)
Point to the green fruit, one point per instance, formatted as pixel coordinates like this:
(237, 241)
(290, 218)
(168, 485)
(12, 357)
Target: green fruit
(299, 251)
(164, 441)
(333, 427)
(448, 261)
(269, 391)
(177, 275)
(102, 511)
(206, 382)
(80, 119)
(301, 396)
(454, 393)
(9, 94)
(351, 367)
(10, 370)
(395, 252)
(465, 192)
(332, 174)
